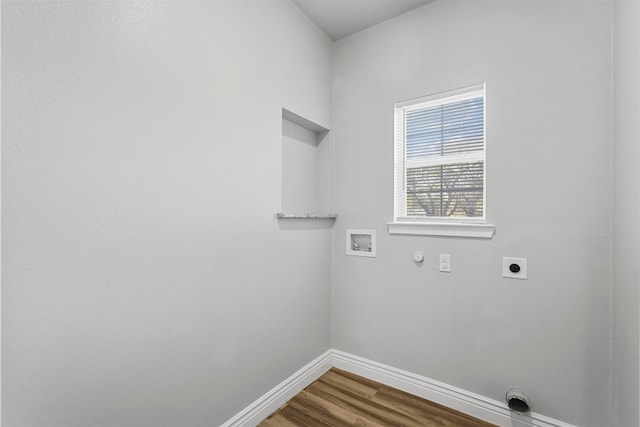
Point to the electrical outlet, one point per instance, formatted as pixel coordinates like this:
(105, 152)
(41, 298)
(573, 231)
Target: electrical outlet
(514, 268)
(445, 263)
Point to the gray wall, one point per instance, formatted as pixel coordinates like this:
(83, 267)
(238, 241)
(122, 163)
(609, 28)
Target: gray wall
(547, 66)
(626, 212)
(146, 280)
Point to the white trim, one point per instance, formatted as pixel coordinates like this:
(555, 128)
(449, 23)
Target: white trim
(461, 400)
(447, 229)
(446, 97)
(282, 393)
(473, 404)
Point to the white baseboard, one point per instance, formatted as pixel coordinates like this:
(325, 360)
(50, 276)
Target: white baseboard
(283, 392)
(464, 401)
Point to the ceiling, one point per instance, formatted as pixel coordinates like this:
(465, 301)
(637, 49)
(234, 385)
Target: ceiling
(341, 18)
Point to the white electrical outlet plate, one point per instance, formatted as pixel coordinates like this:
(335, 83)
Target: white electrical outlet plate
(514, 268)
(445, 263)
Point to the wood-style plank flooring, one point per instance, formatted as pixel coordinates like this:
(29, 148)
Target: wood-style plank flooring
(340, 398)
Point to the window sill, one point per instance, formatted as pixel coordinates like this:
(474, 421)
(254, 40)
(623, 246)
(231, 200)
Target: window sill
(446, 229)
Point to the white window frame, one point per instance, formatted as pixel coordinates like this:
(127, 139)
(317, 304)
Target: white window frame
(435, 226)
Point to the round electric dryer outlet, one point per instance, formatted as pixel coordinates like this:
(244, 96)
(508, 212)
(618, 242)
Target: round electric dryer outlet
(514, 268)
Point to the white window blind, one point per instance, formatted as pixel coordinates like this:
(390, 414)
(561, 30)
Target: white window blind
(440, 157)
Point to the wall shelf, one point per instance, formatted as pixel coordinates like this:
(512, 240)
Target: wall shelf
(287, 215)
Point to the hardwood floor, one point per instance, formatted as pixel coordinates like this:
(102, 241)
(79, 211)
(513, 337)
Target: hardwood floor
(340, 398)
